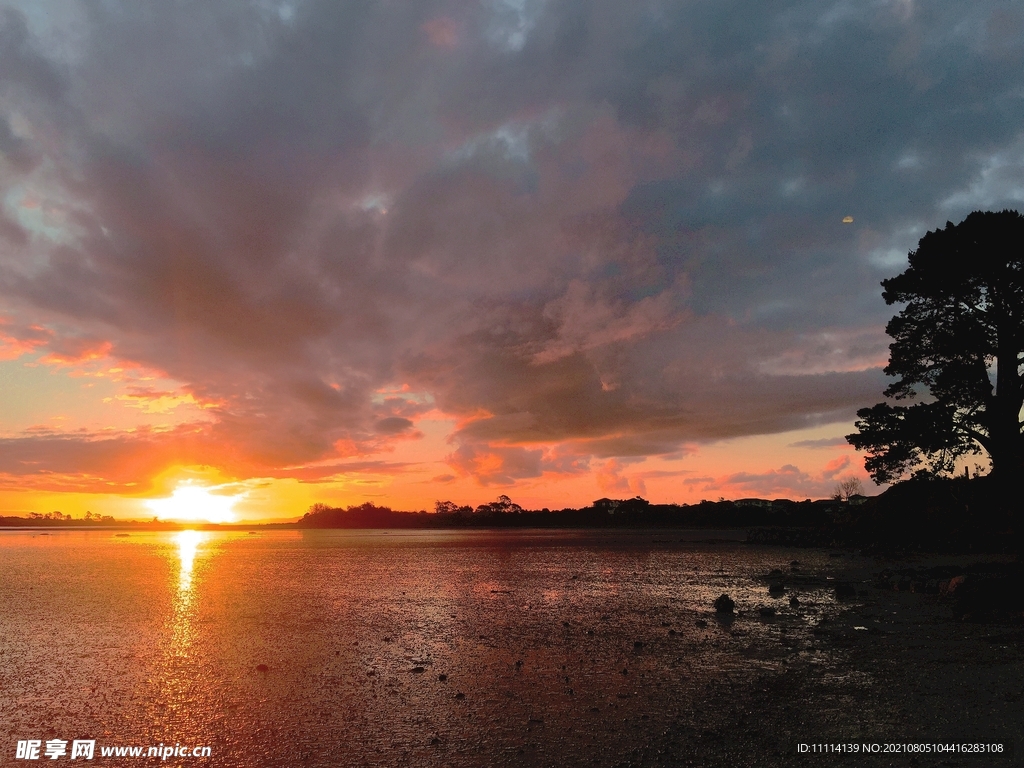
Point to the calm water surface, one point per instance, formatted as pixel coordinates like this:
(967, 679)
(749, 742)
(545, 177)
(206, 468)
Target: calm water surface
(557, 647)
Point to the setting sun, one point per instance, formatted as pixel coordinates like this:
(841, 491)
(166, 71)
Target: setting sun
(195, 502)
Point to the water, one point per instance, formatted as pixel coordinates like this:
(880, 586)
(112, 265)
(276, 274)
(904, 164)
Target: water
(328, 647)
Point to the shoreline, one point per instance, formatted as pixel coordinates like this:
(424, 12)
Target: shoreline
(888, 667)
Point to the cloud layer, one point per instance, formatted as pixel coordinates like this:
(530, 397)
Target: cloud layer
(587, 233)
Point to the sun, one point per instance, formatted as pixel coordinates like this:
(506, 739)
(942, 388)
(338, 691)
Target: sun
(196, 502)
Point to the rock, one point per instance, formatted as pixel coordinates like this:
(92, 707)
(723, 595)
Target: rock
(843, 590)
(460, 695)
(988, 597)
(794, 563)
(776, 589)
(418, 670)
(262, 668)
(671, 632)
(794, 601)
(638, 645)
(725, 604)
(702, 623)
(950, 587)
(767, 612)
(442, 677)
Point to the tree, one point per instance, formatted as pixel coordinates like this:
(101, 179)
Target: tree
(846, 488)
(958, 348)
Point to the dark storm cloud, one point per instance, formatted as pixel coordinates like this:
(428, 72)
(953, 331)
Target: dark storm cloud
(610, 228)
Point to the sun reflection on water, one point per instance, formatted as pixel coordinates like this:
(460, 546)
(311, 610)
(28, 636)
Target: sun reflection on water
(188, 543)
(184, 604)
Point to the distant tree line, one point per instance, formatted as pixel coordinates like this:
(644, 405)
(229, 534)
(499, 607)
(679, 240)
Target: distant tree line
(603, 513)
(56, 518)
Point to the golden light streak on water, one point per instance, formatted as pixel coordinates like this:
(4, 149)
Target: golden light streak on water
(188, 543)
(189, 549)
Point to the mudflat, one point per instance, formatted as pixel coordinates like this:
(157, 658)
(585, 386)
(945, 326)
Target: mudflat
(485, 648)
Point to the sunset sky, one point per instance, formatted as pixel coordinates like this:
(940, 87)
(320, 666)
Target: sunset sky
(406, 251)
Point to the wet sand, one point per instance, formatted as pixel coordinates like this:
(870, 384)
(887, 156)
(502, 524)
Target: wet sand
(479, 649)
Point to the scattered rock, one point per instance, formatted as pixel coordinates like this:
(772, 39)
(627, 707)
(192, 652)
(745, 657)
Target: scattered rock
(844, 590)
(953, 585)
(725, 604)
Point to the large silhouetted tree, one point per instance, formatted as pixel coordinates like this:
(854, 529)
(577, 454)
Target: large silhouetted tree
(958, 348)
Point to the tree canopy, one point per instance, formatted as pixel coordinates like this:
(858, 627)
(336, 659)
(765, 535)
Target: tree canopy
(957, 350)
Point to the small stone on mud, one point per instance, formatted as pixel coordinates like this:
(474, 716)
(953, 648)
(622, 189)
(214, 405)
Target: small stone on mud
(845, 590)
